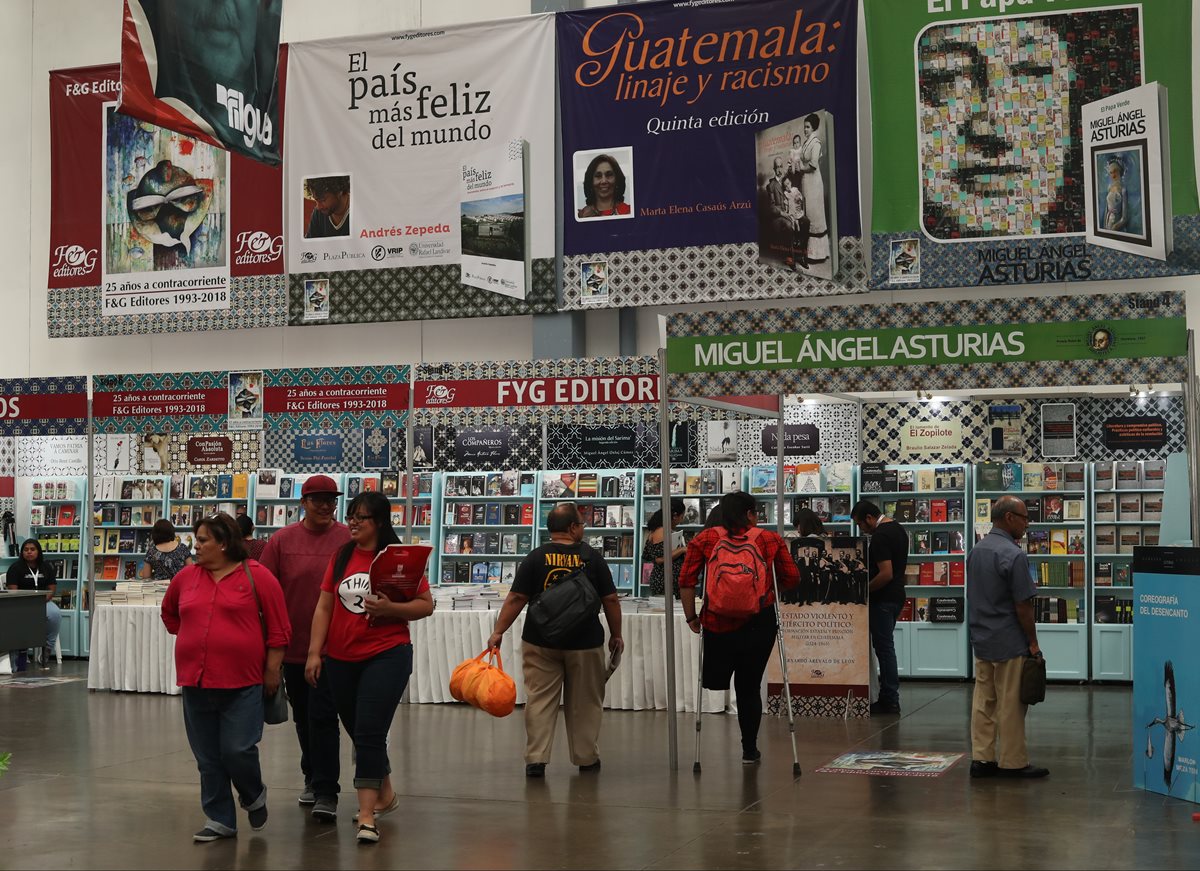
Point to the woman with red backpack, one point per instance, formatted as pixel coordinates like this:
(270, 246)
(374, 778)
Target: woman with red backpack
(738, 616)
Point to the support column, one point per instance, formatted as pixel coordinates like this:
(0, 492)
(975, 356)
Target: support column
(627, 327)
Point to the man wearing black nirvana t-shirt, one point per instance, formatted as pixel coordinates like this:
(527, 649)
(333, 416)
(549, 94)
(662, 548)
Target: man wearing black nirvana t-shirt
(574, 668)
(887, 561)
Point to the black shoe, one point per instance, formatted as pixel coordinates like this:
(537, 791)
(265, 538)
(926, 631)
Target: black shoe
(751, 757)
(258, 818)
(983, 769)
(595, 766)
(878, 708)
(1027, 771)
(324, 809)
(535, 769)
(206, 834)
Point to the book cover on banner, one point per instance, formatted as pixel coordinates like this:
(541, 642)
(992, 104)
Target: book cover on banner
(396, 572)
(797, 195)
(492, 227)
(1127, 172)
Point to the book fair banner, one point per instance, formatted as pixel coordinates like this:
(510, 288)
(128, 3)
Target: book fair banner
(1036, 142)
(207, 70)
(341, 397)
(169, 402)
(1003, 343)
(709, 152)
(420, 174)
(43, 406)
(151, 230)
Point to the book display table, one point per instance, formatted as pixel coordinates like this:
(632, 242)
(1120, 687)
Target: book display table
(131, 650)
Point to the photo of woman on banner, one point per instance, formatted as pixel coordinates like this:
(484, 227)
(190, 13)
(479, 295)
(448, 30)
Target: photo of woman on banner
(999, 133)
(1117, 178)
(807, 166)
(606, 189)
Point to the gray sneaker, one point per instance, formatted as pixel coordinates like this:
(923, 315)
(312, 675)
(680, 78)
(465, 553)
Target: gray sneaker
(325, 810)
(306, 795)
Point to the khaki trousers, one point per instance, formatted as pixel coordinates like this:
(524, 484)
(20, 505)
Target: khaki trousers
(576, 675)
(997, 708)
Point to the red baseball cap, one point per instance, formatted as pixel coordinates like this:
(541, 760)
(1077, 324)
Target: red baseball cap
(319, 484)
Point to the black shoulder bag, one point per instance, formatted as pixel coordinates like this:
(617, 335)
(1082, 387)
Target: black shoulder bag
(558, 611)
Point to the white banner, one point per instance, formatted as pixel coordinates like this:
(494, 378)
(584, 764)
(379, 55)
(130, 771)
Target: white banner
(380, 128)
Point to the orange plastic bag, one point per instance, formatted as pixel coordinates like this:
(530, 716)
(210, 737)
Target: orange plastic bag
(491, 690)
(460, 674)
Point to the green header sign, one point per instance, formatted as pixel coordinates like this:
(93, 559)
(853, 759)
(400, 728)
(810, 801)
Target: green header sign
(930, 346)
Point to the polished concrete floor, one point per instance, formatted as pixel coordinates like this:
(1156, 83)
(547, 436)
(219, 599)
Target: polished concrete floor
(106, 780)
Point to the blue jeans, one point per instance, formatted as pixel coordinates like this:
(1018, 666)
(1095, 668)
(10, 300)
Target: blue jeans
(53, 622)
(882, 617)
(316, 721)
(366, 694)
(224, 728)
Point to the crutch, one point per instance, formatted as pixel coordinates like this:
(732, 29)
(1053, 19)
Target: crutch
(787, 686)
(699, 700)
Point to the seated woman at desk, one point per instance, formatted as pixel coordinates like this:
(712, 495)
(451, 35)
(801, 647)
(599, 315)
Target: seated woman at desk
(32, 572)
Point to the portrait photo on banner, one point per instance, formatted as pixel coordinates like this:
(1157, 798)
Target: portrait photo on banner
(603, 183)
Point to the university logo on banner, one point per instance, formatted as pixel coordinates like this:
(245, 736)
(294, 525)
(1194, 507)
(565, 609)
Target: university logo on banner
(206, 68)
(711, 145)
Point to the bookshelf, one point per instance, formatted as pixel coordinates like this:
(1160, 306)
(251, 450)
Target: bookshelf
(276, 501)
(393, 485)
(1127, 503)
(53, 510)
(487, 525)
(930, 501)
(827, 491)
(1058, 546)
(610, 510)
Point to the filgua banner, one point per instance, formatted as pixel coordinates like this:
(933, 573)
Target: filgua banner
(407, 196)
(1023, 143)
(709, 151)
(207, 69)
(151, 230)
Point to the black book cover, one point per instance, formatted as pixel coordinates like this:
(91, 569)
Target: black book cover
(871, 478)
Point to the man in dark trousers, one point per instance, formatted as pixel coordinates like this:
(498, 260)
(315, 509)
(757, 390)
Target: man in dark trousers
(887, 560)
(1000, 595)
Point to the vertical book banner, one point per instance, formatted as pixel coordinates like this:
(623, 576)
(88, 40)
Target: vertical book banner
(1032, 143)
(206, 69)
(408, 195)
(709, 151)
(152, 230)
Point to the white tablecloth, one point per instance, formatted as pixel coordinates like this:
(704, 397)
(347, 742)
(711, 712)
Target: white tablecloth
(131, 650)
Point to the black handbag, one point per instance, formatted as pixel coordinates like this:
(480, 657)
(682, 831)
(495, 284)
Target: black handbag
(1033, 679)
(275, 705)
(558, 611)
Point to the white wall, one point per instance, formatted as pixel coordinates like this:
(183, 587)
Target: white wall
(72, 33)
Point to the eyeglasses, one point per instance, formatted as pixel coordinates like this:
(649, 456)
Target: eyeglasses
(322, 499)
(360, 518)
(1024, 517)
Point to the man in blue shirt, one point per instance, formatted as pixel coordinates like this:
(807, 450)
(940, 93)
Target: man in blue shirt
(1000, 595)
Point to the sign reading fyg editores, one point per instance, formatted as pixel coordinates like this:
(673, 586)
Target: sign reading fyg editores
(206, 68)
(699, 150)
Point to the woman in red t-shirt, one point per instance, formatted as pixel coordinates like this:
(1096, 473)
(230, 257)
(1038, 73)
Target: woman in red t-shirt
(367, 650)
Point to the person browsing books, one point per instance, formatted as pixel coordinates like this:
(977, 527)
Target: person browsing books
(887, 558)
(32, 572)
(1003, 631)
(367, 652)
(166, 554)
(652, 550)
(231, 627)
(737, 647)
(299, 554)
(573, 669)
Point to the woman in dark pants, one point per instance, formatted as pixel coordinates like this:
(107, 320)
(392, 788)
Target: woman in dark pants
(368, 652)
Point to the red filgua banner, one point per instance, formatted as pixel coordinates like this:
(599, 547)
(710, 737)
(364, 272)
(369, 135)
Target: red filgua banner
(335, 398)
(590, 390)
(43, 406)
(156, 403)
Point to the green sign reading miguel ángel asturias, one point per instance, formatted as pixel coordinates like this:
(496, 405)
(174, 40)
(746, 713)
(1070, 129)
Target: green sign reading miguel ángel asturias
(929, 346)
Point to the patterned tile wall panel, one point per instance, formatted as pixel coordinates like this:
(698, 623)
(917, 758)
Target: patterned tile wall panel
(882, 423)
(565, 450)
(837, 423)
(525, 449)
(247, 451)
(34, 455)
(278, 451)
(336, 376)
(708, 273)
(1091, 413)
(8, 456)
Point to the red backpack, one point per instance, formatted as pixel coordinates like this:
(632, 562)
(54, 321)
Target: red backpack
(736, 579)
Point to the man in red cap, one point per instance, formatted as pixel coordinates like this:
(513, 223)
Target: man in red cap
(298, 555)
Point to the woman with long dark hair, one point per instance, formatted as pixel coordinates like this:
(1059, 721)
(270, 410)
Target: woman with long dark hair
(653, 549)
(32, 572)
(604, 189)
(362, 641)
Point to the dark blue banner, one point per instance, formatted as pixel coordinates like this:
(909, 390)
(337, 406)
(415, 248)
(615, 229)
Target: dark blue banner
(662, 104)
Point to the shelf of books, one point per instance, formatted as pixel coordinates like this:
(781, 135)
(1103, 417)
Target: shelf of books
(1056, 541)
(930, 502)
(486, 526)
(277, 499)
(1127, 498)
(193, 496)
(700, 489)
(52, 511)
(827, 491)
(610, 510)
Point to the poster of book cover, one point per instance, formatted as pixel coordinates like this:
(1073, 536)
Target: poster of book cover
(151, 230)
(1058, 429)
(825, 631)
(492, 227)
(245, 400)
(1126, 182)
(797, 204)
(405, 165)
(667, 111)
(986, 175)
(1006, 437)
